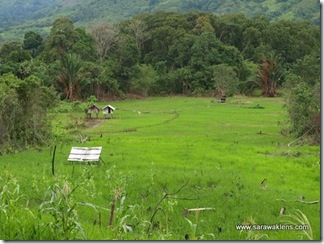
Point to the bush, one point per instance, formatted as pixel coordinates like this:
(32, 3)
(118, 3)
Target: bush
(304, 110)
(23, 112)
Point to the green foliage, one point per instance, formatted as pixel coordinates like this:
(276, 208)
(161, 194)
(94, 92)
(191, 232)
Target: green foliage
(225, 80)
(144, 79)
(60, 40)
(23, 106)
(84, 45)
(69, 75)
(168, 53)
(17, 220)
(31, 15)
(304, 110)
(308, 68)
(292, 40)
(205, 51)
(270, 74)
(33, 43)
(56, 218)
(63, 224)
(300, 219)
(11, 54)
(203, 25)
(92, 99)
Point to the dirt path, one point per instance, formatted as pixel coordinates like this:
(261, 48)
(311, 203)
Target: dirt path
(133, 129)
(93, 123)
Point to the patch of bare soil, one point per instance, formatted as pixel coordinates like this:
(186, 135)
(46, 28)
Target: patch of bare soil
(93, 122)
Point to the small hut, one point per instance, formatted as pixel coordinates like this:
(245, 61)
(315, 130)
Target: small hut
(223, 99)
(92, 109)
(108, 111)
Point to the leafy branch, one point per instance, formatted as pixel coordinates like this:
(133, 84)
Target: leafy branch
(158, 208)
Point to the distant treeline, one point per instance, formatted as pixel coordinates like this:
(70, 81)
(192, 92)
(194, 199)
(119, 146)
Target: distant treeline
(167, 53)
(18, 17)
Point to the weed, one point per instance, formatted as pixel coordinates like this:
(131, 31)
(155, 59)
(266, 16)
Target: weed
(15, 219)
(64, 224)
(252, 234)
(193, 232)
(299, 219)
(258, 106)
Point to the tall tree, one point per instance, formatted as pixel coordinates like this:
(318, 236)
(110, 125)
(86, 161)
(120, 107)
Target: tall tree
(69, 75)
(60, 41)
(205, 51)
(225, 80)
(308, 68)
(270, 74)
(144, 79)
(33, 42)
(229, 29)
(203, 25)
(292, 40)
(105, 37)
(84, 45)
(11, 55)
(137, 30)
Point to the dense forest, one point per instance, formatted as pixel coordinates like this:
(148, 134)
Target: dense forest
(18, 17)
(164, 53)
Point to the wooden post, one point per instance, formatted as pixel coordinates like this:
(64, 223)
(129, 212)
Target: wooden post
(53, 159)
(113, 207)
(99, 219)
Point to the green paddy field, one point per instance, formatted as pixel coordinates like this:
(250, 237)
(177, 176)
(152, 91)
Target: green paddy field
(172, 168)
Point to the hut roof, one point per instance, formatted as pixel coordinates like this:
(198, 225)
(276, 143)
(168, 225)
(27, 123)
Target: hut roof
(109, 106)
(93, 106)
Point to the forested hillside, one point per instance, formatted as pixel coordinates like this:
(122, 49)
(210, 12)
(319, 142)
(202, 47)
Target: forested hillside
(18, 17)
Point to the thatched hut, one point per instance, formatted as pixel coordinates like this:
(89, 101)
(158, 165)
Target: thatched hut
(93, 109)
(108, 111)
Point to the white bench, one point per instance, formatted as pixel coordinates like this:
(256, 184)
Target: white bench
(85, 154)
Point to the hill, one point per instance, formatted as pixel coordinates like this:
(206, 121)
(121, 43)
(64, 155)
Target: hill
(18, 17)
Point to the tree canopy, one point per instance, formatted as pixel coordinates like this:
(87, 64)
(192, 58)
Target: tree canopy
(165, 53)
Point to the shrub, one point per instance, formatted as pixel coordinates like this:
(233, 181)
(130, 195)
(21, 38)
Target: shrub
(304, 110)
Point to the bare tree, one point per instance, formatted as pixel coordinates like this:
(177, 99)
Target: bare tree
(105, 36)
(137, 30)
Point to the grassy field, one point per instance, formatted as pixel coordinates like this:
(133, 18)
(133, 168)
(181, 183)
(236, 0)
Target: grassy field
(163, 158)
